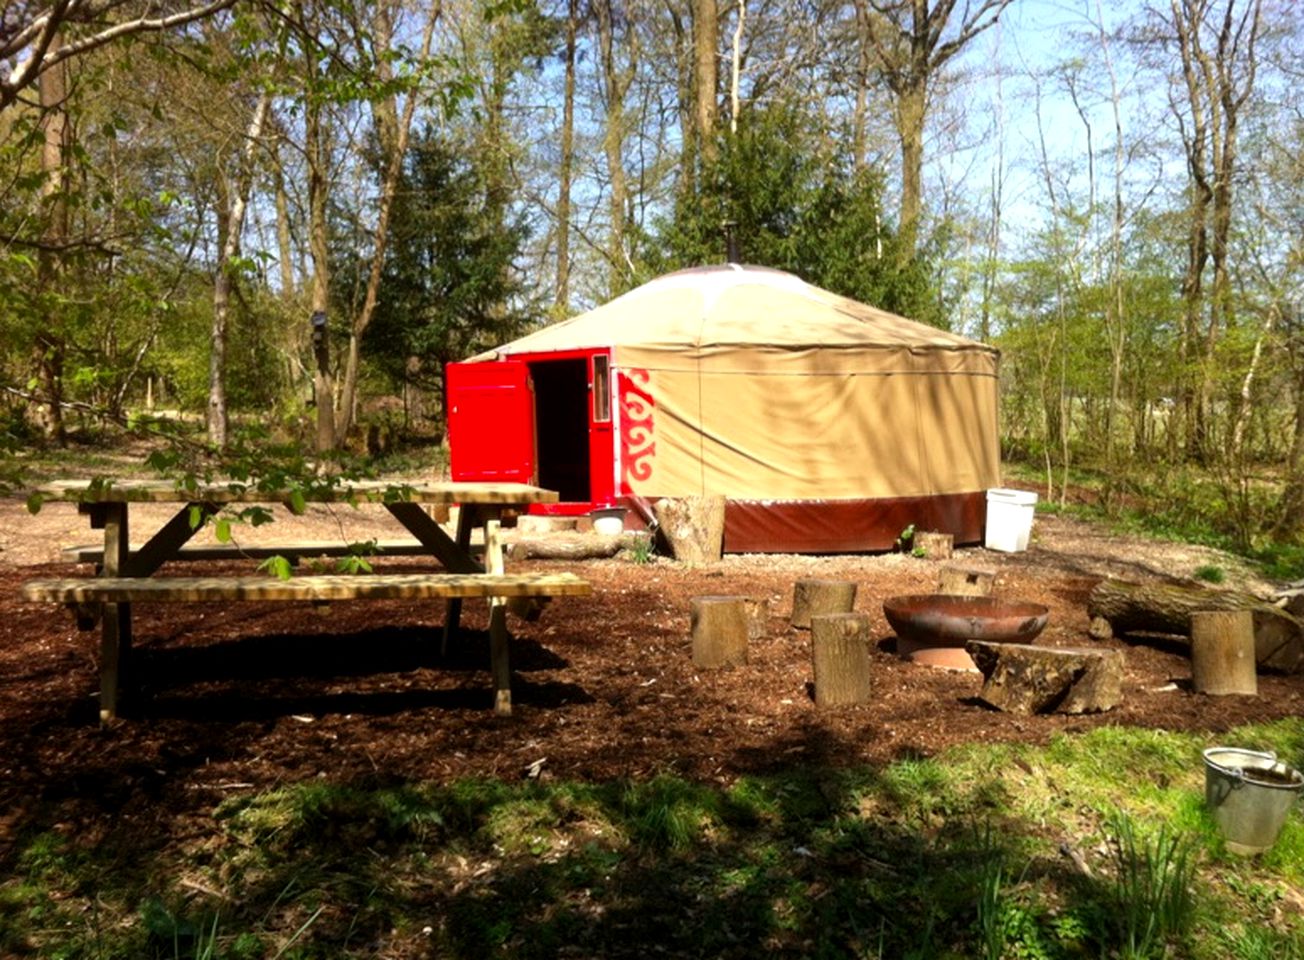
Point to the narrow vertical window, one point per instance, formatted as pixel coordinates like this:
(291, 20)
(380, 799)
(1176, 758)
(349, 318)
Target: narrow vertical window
(601, 389)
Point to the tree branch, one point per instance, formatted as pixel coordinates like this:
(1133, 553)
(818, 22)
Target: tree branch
(41, 31)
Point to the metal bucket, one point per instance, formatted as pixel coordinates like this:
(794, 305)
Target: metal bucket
(1250, 794)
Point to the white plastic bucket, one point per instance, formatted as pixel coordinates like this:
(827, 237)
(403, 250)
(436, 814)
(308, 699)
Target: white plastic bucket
(1009, 519)
(609, 521)
(1250, 794)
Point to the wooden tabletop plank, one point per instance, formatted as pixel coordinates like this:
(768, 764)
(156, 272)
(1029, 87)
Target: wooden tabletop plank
(94, 553)
(317, 587)
(367, 491)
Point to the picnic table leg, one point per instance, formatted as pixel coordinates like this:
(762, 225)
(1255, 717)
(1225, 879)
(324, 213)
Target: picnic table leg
(499, 639)
(498, 658)
(115, 635)
(466, 517)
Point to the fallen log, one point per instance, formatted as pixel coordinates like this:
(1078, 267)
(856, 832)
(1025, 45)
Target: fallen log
(1117, 607)
(577, 546)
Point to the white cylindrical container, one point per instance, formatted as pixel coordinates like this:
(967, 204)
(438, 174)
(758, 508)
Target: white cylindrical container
(1009, 519)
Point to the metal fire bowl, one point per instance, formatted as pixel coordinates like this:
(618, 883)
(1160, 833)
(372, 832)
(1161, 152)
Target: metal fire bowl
(943, 620)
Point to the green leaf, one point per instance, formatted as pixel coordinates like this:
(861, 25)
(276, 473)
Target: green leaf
(196, 516)
(353, 564)
(34, 503)
(223, 531)
(257, 516)
(277, 566)
(297, 503)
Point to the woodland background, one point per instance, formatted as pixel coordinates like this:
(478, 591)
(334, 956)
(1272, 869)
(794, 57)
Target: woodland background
(1113, 194)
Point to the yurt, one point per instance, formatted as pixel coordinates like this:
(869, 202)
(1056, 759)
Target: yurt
(827, 425)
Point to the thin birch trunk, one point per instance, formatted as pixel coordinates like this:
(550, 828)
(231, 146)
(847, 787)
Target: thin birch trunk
(235, 215)
(561, 298)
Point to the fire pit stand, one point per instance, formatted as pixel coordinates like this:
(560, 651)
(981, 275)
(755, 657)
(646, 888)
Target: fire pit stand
(932, 628)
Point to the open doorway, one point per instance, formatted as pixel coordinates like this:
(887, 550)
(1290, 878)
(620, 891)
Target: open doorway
(561, 417)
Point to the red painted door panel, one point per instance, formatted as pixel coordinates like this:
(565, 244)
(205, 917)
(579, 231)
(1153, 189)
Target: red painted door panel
(602, 470)
(491, 421)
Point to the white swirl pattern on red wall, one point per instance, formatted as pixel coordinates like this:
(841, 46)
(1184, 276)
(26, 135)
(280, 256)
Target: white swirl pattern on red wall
(637, 442)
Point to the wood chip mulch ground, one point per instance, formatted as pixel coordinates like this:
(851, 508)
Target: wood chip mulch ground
(244, 697)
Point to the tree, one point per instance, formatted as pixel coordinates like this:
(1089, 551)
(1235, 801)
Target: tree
(393, 128)
(450, 287)
(561, 297)
(617, 76)
(912, 44)
(1218, 63)
(231, 221)
(795, 205)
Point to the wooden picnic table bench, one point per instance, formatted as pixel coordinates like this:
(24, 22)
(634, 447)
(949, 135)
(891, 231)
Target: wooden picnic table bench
(318, 588)
(126, 571)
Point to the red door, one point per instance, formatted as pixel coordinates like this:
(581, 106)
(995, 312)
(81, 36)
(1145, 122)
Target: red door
(490, 421)
(602, 454)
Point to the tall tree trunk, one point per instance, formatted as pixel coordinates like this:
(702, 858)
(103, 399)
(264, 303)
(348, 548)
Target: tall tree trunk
(907, 38)
(736, 66)
(1217, 83)
(911, 113)
(318, 157)
(284, 235)
(685, 102)
(48, 347)
(615, 83)
(561, 298)
(860, 113)
(706, 75)
(393, 131)
(1115, 314)
(233, 222)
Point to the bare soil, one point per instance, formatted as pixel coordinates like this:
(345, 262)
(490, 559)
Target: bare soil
(244, 697)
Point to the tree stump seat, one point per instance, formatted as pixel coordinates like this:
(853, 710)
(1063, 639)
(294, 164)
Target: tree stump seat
(720, 629)
(812, 598)
(966, 581)
(840, 644)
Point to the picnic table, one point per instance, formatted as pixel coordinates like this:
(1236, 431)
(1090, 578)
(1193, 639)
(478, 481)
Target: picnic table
(125, 572)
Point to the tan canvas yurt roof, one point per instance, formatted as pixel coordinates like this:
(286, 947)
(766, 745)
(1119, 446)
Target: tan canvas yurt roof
(733, 305)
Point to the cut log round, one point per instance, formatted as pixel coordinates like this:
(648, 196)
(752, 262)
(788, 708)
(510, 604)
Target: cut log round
(933, 545)
(719, 628)
(840, 650)
(1022, 678)
(693, 527)
(811, 598)
(1167, 609)
(966, 582)
(1222, 652)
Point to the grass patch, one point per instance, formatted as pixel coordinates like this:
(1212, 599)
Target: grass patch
(958, 855)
